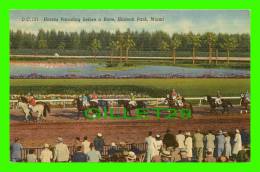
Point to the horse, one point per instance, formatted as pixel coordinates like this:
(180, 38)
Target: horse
(213, 105)
(92, 104)
(41, 108)
(172, 103)
(126, 104)
(245, 103)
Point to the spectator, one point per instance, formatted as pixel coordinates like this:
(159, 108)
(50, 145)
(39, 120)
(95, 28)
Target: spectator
(209, 156)
(198, 145)
(184, 155)
(237, 144)
(99, 143)
(61, 151)
(180, 138)
(46, 154)
(93, 155)
(188, 145)
(166, 156)
(227, 149)
(176, 154)
(113, 150)
(79, 155)
(169, 139)
(222, 159)
(77, 142)
(135, 149)
(220, 140)
(159, 144)
(131, 157)
(85, 145)
(31, 157)
(151, 146)
(244, 154)
(245, 137)
(16, 150)
(209, 141)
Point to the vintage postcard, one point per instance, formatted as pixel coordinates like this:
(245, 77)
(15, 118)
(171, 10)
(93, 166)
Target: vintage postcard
(130, 86)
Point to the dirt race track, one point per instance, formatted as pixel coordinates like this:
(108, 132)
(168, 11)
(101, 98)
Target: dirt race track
(63, 122)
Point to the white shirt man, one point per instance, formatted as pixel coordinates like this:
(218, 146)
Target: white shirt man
(188, 145)
(46, 154)
(61, 153)
(85, 145)
(237, 143)
(180, 138)
(151, 146)
(210, 140)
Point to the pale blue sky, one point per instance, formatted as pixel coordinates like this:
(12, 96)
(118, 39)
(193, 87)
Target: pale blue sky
(231, 21)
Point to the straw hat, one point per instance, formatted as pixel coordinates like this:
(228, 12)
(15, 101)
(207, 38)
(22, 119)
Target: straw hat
(237, 131)
(46, 145)
(187, 133)
(99, 134)
(131, 155)
(113, 144)
(157, 136)
(60, 139)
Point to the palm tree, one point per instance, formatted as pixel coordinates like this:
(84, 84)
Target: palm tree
(196, 43)
(113, 47)
(176, 43)
(211, 40)
(229, 43)
(95, 46)
(129, 43)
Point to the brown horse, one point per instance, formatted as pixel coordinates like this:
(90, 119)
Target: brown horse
(172, 103)
(245, 103)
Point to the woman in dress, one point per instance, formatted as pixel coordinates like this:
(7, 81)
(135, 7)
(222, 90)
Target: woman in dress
(227, 151)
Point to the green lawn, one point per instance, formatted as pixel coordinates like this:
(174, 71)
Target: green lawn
(151, 87)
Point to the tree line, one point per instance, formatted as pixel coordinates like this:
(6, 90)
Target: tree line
(119, 43)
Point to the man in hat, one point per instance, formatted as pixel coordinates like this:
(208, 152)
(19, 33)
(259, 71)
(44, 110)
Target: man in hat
(210, 141)
(220, 140)
(131, 157)
(46, 154)
(85, 144)
(151, 146)
(93, 155)
(159, 144)
(79, 155)
(99, 142)
(198, 145)
(169, 139)
(61, 151)
(188, 145)
(112, 151)
(237, 143)
(16, 150)
(180, 138)
(218, 100)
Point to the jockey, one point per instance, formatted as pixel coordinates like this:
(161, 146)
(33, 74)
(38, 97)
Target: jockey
(31, 101)
(174, 94)
(218, 99)
(85, 100)
(132, 99)
(94, 97)
(179, 100)
(247, 96)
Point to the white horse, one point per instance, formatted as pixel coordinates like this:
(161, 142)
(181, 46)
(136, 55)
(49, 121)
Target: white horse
(42, 109)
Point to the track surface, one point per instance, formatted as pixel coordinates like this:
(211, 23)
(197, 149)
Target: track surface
(63, 122)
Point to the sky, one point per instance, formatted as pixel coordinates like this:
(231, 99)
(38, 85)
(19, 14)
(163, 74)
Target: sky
(181, 21)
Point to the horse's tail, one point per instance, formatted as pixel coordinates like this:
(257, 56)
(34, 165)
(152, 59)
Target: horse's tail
(46, 109)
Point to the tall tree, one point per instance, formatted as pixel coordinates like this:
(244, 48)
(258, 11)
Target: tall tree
(211, 41)
(229, 43)
(95, 46)
(196, 43)
(113, 47)
(128, 43)
(175, 43)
